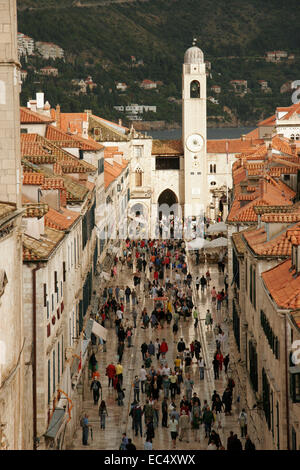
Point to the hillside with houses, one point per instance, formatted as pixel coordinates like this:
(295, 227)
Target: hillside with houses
(124, 61)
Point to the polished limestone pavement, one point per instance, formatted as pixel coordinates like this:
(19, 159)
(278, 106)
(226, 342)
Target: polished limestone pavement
(118, 420)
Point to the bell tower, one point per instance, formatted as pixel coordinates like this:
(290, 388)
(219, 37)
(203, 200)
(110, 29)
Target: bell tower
(10, 158)
(194, 132)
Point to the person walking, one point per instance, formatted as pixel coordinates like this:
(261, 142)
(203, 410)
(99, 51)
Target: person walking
(242, 419)
(163, 347)
(184, 424)
(196, 421)
(195, 315)
(226, 362)
(164, 410)
(216, 367)
(188, 384)
(102, 413)
(203, 283)
(173, 426)
(110, 372)
(96, 387)
(137, 414)
(208, 419)
(208, 320)
(249, 445)
(136, 389)
(134, 316)
(85, 429)
(143, 377)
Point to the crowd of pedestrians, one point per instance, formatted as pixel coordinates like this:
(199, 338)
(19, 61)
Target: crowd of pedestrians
(164, 394)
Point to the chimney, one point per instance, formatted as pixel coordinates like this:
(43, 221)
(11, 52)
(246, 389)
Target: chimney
(120, 122)
(58, 121)
(243, 137)
(40, 100)
(63, 198)
(32, 105)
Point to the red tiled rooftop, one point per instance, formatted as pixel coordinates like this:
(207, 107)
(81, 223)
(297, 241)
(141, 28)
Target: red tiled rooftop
(283, 286)
(61, 220)
(30, 117)
(33, 178)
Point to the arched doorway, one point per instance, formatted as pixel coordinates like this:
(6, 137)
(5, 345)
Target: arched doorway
(167, 197)
(168, 213)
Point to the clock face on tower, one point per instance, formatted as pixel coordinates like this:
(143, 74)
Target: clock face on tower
(194, 142)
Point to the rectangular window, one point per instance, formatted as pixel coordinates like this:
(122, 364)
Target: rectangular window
(49, 380)
(64, 271)
(54, 374)
(58, 362)
(45, 295)
(138, 178)
(75, 251)
(167, 163)
(62, 353)
(47, 310)
(138, 151)
(55, 282)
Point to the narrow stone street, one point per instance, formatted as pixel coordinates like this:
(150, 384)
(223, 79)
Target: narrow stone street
(118, 420)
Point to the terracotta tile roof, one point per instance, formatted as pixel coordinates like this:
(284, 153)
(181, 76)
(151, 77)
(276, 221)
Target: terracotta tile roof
(61, 220)
(232, 145)
(28, 137)
(72, 122)
(253, 134)
(265, 195)
(6, 208)
(76, 191)
(63, 139)
(283, 286)
(278, 246)
(239, 175)
(43, 151)
(37, 250)
(33, 178)
(238, 242)
(270, 121)
(167, 147)
(282, 145)
(53, 183)
(281, 218)
(35, 209)
(246, 197)
(295, 108)
(30, 117)
(113, 171)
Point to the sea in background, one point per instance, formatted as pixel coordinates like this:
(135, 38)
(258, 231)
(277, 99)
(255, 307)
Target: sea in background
(212, 133)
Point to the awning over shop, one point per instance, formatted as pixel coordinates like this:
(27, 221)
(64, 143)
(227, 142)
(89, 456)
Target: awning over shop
(56, 423)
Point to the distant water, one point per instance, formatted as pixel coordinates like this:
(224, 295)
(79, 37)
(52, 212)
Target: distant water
(212, 133)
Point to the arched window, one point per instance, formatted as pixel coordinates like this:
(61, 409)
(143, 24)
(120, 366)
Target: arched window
(212, 168)
(297, 136)
(195, 89)
(292, 137)
(213, 183)
(138, 178)
(215, 168)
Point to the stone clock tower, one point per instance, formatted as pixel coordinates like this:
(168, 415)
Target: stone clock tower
(194, 132)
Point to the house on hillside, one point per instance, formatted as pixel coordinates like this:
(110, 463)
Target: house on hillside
(49, 71)
(121, 86)
(148, 85)
(239, 86)
(216, 89)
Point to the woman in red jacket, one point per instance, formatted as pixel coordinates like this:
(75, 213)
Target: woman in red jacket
(163, 347)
